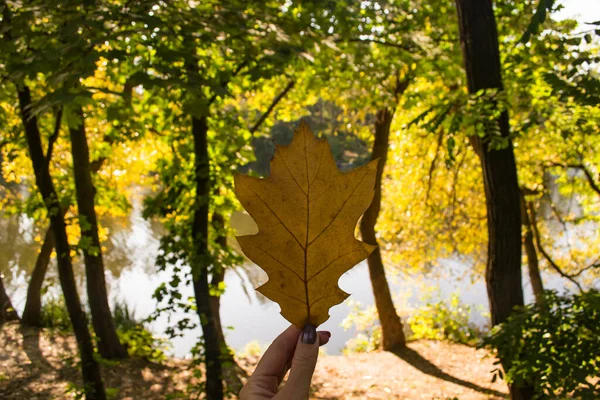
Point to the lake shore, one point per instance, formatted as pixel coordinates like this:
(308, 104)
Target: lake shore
(40, 365)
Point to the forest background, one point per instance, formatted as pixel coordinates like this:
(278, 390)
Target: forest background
(122, 124)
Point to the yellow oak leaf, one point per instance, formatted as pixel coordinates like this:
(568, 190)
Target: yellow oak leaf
(306, 212)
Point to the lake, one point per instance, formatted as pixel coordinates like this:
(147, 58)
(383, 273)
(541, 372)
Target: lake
(132, 278)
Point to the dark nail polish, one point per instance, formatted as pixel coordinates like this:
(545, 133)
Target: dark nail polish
(309, 334)
(327, 333)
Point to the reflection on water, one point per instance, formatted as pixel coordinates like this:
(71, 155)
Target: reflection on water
(130, 255)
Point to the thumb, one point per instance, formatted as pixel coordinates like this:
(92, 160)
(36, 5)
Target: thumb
(297, 386)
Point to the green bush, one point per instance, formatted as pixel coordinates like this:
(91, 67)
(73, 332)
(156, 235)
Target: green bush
(366, 323)
(132, 333)
(554, 346)
(54, 315)
(138, 340)
(123, 317)
(437, 320)
(443, 320)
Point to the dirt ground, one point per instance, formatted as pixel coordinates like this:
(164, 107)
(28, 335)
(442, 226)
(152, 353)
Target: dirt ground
(37, 365)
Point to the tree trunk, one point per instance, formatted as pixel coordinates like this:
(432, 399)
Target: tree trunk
(7, 311)
(218, 277)
(533, 265)
(231, 369)
(33, 305)
(92, 378)
(109, 345)
(479, 40)
(32, 314)
(391, 326)
(201, 260)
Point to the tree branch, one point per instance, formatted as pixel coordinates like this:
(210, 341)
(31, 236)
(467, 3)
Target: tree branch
(595, 264)
(588, 174)
(542, 250)
(380, 42)
(274, 103)
(526, 191)
(590, 178)
(433, 165)
(54, 136)
(235, 72)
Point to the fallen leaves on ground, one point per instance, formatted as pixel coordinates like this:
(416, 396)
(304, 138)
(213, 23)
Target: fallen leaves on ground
(37, 365)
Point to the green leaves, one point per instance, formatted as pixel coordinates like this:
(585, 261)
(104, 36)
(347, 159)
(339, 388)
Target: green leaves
(537, 20)
(552, 345)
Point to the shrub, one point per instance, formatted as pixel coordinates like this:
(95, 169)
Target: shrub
(444, 320)
(437, 320)
(138, 340)
(132, 333)
(553, 346)
(366, 323)
(54, 315)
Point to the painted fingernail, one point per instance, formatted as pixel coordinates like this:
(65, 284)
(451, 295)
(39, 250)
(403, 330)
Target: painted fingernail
(309, 334)
(326, 333)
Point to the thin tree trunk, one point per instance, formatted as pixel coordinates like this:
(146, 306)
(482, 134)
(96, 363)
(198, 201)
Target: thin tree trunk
(92, 377)
(215, 304)
(218, 277)
(201, 261)
(7, 311)
(33, 305)
(109, 345)
(479, 40)
(231, 370)
(533, 265)
(32, 314)
(391, 326)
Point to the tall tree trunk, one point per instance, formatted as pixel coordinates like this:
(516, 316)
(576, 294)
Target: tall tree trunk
(231, 370)
(479, 39)
(32, 314)
(33, 305)
(92, 378)
(533, 265)
(218, 277)
(391, 326)
(109, 345)
(215, 303)
(201, 261)
(7, 311)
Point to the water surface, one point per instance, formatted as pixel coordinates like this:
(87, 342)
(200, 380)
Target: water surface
(132, 277)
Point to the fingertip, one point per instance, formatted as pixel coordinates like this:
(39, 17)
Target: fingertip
(324, 337)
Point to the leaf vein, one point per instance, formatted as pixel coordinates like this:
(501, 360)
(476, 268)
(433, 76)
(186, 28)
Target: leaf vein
(274, 214)
(338, 212)
(290, 171)
(328, 265)
(280, 263)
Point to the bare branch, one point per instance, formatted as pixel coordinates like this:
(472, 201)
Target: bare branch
(274, 103)
(454, 182)
(54, 136)
(595, 264)
(588, 174)
(380, 42)
(542, 250)
(104, 90)
(590, 178)
(434, 164)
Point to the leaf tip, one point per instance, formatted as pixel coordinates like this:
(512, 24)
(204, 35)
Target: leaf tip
(372, 165)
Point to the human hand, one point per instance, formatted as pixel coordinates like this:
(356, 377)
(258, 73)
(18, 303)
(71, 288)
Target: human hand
(293, 348)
